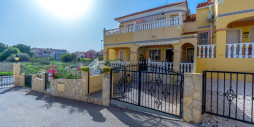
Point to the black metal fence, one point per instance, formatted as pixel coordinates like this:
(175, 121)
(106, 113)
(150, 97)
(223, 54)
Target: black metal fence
(152, 87)
(47, 81)
(28, 80)
(229, 94)
(6, 81)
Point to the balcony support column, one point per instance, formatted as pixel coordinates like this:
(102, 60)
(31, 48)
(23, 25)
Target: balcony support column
(177, 59)
(134, 53)
(221, 39)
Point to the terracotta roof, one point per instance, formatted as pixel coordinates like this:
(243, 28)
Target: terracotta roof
(187, 33)
(204, 4)
(165, 6)
(191, 18)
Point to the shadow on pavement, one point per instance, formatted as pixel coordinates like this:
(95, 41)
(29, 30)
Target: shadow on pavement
(126, 116)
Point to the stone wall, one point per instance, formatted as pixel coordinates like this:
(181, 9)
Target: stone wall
(192, 105)
(95, 83)
(38, 84)
(69, 88)
(16, 74)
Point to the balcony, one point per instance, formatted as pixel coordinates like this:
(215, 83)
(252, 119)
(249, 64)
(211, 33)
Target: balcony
(206, 51)
(175, 21)
(240, 50)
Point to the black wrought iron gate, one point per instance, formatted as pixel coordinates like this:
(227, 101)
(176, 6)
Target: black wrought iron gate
(149, 86)
(229, 94)
(28, 80)
(6, 81)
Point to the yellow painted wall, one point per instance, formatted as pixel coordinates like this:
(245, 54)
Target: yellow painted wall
(244, 29)
(190, 27)
(112, 54)
(235, 5)
(95, 83)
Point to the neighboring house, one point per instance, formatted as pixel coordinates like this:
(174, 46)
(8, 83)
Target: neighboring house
(217, 37)
(48, 53)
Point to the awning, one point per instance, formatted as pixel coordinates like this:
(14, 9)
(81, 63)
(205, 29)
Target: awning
(158, 43)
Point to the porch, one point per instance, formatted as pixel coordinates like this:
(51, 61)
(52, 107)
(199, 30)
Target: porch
(164, 55)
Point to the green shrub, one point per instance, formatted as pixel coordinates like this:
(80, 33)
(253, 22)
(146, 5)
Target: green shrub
(85, 69)
(23, 57)
(85, 60)
(106, 69)
(8, 52)
(6, 73)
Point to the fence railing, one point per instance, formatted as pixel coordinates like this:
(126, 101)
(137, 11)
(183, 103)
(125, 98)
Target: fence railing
(146, 26)
(186, 67)
(240, 50)
(206, 51)
(6, 81)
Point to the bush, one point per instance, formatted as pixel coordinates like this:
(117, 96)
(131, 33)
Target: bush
(8, 52)
(23, 57)
(85, 69)
(6, 73)
(85, 60)
(68, 57)
(106, 69)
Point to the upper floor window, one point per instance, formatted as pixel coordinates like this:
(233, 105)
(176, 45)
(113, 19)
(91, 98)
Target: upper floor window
(130, 27)
(155, 54)
(203, 38)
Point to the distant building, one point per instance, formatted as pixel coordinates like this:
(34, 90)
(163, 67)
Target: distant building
(48, 53)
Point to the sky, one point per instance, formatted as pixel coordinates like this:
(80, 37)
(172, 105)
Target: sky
(74, 25)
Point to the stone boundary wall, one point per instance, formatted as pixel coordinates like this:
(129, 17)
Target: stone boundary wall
(38, 84)
(76, 89)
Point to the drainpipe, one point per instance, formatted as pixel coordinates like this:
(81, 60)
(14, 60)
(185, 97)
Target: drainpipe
(211, 26)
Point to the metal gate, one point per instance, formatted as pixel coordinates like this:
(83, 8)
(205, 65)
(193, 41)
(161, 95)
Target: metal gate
(28, 80)
(149, 86)
(6, 81)
(229, 94)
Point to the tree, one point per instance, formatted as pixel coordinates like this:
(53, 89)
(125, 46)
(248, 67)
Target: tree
(23, 57)
(3, 47)
(24, 48)
(68, 57)
(8, 52)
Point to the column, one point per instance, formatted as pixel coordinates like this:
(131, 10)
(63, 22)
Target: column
(221, 40)
(134, 54)
(106, 89)
(192, 98)
(177, 59)
(16, 74)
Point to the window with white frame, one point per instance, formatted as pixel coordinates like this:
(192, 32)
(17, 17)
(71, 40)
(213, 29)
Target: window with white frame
(130, 27)
(203, 38)
(155, 54)
(252, 35)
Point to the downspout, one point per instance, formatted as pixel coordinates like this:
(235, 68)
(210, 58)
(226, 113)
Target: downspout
(211, 26)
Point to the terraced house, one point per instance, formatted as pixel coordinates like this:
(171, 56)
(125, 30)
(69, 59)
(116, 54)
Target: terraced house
(220, 36)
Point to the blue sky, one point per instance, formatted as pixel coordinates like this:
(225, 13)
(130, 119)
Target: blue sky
(30, 23)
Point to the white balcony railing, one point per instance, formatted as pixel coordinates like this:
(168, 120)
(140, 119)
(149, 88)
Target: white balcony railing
(206, 51)
(240, 50)
(146, 26)
(186, 67)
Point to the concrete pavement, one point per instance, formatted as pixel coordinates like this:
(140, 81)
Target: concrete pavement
(21, 107)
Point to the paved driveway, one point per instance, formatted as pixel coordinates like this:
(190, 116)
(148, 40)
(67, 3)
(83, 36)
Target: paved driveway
(20, 107)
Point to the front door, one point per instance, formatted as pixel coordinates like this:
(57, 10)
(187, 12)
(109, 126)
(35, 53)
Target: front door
(190, 55)
(169, 55)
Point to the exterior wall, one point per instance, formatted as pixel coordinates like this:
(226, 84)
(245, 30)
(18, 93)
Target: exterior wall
(190, 27)
(95, 83)
(228, 13)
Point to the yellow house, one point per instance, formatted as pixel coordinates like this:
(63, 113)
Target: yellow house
(217, 37)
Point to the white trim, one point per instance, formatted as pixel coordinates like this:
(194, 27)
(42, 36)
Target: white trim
(206, 6)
